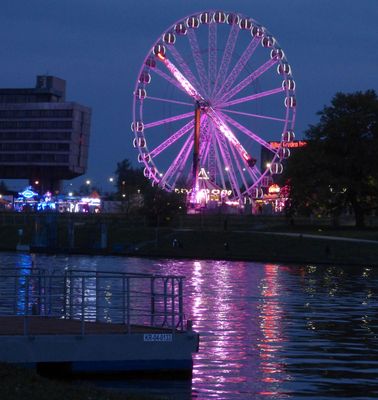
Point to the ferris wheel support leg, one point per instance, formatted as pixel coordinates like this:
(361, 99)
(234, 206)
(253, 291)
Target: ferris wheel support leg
(197, 127)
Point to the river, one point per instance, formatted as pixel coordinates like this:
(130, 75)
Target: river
(268, 331)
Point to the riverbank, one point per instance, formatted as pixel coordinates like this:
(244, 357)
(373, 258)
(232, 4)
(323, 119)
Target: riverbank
(288, 247)
(24, 384)
(277, 247)
(265, 238)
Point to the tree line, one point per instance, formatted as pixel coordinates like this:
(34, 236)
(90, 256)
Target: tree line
(338, 169)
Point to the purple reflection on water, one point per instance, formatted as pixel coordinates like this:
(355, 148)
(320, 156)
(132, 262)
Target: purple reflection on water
(267, 331)
(235, 308)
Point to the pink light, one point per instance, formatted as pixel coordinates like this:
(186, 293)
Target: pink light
(201, 196)
(186, 85)
(221, 125)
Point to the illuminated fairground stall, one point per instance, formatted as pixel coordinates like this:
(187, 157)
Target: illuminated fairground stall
(214, 88)
(26, 200)
(207, 194)
(273, 201)
(30, 200)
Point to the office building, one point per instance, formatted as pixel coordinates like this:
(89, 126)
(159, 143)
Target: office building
(43, 137)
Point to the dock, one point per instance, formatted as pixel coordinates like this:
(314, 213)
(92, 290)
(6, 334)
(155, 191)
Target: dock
(95, 322)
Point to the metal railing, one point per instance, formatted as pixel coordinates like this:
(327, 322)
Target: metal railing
(131, 300)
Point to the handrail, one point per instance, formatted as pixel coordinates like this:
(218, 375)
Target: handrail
(129, 299)
(136, 274)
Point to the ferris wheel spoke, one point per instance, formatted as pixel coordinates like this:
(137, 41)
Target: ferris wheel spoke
(211, 164)
(204, 149)
(253, 97)
(159, 99)
(248, 132)
(218, 163)
(180, 169)
(253, 176)
(169, 79)
(253, 115)
(239, 66)
(212, 56)
(185, 68)
(228, 162)
(240, 169)
(205, 153)
(172, 139)
(181, 158)
(256, 173)
(248, 80)
(221, 160)
(168, 120)
(227, 55)
(197, 57)
(204, 137)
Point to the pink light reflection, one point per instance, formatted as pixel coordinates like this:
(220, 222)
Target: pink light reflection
(273, 371)
(219, 343)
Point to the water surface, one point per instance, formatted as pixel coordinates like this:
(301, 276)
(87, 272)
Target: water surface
(268, 331)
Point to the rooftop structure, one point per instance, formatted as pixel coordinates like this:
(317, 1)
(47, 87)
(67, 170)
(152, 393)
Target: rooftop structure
(43, 138)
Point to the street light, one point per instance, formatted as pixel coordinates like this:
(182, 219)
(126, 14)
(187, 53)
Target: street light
(88, 182)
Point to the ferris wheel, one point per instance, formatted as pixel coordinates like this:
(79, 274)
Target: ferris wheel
(213, 90)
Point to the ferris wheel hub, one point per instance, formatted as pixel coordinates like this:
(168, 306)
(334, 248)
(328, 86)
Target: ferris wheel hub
(203, 105)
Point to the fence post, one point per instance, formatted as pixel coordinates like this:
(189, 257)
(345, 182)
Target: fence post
(181, 308)
(165, 295)
(70, 299)
(123, 299)
(128, 304)
(97, 296)
(39, 299)
(82, 304)
(152, 300)
(65, 293)
(16, 284)
(173, 304)
(26, 312)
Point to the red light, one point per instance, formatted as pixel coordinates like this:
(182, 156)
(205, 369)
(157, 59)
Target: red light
(291, 145)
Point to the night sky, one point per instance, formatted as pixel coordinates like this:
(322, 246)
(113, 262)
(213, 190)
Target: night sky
(98, 46)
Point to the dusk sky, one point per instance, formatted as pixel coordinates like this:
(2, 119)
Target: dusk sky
(98, 46)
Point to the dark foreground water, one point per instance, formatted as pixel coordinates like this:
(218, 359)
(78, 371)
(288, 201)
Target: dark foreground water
(268, 331)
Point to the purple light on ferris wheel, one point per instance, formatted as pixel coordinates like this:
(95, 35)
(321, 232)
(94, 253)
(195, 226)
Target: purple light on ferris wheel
(219, 123)
(227, 132)
(186, 85)
(205, 63)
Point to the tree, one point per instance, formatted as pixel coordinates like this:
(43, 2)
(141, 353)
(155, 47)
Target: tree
(3, 187)
(129, 180)
(161, 205)
(130, 183)
(339, 166)
(139, 195)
